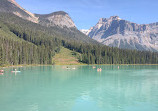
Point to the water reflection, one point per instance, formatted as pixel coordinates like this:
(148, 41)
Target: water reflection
(54, 88)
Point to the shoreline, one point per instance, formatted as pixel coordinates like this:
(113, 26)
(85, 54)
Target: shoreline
(27, 65)
(22, 65)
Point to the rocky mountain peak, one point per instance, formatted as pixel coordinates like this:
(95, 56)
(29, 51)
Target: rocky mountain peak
(102, 20)
(112, 18)
(116, 32)
(59, 18)
(115, 18)
(106, 22)
(59, 13)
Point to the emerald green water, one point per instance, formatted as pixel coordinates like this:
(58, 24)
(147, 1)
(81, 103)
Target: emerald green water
(55, 88)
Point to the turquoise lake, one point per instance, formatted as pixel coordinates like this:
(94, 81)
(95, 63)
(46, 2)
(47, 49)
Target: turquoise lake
(55, 88)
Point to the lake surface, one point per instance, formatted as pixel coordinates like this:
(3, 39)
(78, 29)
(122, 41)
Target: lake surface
(55, 88)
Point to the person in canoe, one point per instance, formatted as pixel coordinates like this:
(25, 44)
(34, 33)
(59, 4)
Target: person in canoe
(1, 71)
(99, 69)
(15, 71)
(94, 67)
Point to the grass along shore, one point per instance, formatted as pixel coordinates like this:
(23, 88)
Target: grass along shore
(67, 57)
(12, 66)
(22, 65)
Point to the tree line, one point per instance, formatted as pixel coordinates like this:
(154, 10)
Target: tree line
(23, 42)
(15, 48)
(99, 54)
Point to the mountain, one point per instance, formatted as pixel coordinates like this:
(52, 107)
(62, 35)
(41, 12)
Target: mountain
(10, 6)
(116, 32)
(24, 41)
(59, 18)
(57, 24)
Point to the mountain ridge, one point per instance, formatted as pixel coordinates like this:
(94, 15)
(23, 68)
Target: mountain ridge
(116, 32)
(11, 6)
(59, 18)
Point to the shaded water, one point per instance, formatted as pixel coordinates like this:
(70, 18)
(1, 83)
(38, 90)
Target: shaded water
(55, 88)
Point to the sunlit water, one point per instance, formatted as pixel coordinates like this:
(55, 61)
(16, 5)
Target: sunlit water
(55, 88)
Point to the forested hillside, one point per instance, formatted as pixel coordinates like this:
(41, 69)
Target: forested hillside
(55, 31)
(14, 51)
(24, 42)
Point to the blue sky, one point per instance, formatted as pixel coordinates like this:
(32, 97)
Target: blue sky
(86, 13)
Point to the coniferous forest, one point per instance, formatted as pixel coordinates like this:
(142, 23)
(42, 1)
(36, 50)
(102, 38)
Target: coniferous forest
(24, 42)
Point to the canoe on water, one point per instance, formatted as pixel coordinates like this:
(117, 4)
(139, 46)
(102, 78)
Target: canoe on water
(1, 70)
(15, 71)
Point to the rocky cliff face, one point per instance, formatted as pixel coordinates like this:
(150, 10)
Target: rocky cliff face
(116, 32)
(61, 19)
